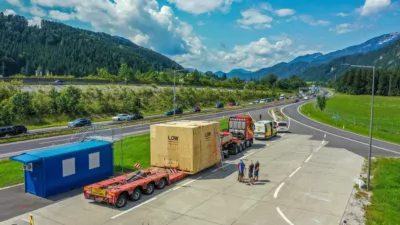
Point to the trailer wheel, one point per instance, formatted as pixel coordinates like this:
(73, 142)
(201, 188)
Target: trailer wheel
(121, 201)
(243, 146)
(136, 195)
(162, 183)
(235, 149)
(150, 189)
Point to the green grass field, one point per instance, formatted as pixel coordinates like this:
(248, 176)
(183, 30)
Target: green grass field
(353, 112)
(385, 201)
(135, 149)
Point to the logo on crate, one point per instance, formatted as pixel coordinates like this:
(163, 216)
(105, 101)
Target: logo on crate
(173, 138)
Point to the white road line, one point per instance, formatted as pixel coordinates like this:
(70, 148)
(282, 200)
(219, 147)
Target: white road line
(384, 149)
(221, 167)
(47, 142)
(6, 155)
(309, 157)
(278, 189)
(189, 182)
(283, 216)
(282, 135)
(247, 155)
(318, 148)
(4, 188)
(137, 206)
(324, 136)
(291, 175)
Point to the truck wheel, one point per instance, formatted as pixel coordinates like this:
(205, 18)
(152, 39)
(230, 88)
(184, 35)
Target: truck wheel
(121, 201)
(162, 183)
(244, 146)
(150, 189)
(136, 195)
(235, 149)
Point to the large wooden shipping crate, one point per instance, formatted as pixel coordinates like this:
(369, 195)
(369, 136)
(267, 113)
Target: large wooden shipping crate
(190, 146)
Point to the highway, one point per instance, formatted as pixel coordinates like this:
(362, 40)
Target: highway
(15, 148)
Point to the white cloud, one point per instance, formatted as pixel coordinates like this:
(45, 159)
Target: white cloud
(285, 12)
(37, 11)
(201, 23)
(35, 21)
(202, 6)
(15, 2)
(311, 21)
(341, 14)
(254, 18)
(374, 6)
(140, 39)
(9, 12)
(55, 14)
(346, 28)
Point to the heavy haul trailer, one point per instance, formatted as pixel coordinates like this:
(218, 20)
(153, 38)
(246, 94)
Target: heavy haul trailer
(238, 136)
(130, 186)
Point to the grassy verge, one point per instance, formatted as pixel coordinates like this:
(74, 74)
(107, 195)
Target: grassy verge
(135, 148)
(352, 113)
(385, 201)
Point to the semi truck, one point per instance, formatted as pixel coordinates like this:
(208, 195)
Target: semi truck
(238, 136)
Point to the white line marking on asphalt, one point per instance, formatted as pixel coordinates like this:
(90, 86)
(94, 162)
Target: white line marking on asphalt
(221, 167)
(247, 155)
(137, 206)
(317, 197)
(318, 148)
(283, 135)
(278, 189)
(189, 182)
(324, 136)
(47, 142)
(291, 175)
(309, 157)
(6, 155)
(4, 188)
(283, 216)
(384, 149)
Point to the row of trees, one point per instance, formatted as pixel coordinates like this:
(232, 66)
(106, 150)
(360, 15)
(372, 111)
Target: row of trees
(18, 105)
(359, 81)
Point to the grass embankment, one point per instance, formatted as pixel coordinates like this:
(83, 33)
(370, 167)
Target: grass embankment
(135, 149)
(385, 200)
(353, 113)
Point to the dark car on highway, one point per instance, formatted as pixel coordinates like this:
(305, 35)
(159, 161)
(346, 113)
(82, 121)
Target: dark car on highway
(219, 105)
(196, 109)
(59, 82)
(137, 116)
(20, 129)
(81, 122)
(177, 112)
(12, 130)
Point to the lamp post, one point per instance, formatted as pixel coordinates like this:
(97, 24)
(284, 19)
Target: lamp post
(175, 71)
(370, 120)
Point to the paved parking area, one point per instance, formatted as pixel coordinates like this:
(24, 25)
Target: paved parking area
(301, 182)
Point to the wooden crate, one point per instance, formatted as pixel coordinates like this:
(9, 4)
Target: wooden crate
(190, 146)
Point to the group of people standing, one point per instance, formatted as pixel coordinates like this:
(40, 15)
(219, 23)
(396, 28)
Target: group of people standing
(253, 171)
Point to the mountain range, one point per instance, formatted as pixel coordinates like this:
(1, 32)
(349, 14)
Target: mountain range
(309, 64)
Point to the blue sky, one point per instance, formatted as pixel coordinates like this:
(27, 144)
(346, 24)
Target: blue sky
(224, 34)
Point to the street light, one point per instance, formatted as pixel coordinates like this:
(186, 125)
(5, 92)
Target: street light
(370, 121)
(175, 71)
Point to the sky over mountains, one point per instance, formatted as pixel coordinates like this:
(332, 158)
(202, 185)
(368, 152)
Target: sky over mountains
(224, 34)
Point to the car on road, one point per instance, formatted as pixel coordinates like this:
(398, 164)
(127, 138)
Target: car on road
(196, 109)
(282, 126)
(12, 130)
(178, 111)
(59, 82)
(20, 129)
(238, 103)
(219, 105)
(297, 100)
(81, 122)
(231, 104)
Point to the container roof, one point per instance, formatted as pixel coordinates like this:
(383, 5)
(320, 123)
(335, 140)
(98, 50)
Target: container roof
(34, 156)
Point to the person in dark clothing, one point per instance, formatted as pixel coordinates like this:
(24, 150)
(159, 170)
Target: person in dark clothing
(257, 169)
(251, 170)
(260, 116)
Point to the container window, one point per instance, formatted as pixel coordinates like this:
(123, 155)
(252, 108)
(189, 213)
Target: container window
(94, 160)
(68, 167)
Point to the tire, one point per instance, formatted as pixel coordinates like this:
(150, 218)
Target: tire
(242, 147)
(136, 195)
(150, 189)
(235, 149)
(161, 184)
(121, 201)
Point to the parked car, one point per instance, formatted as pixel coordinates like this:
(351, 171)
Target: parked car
(81, 122)
(230, 104)
(219, 105)
(59, 82)
(196, 109)
(177, 112)
(121, 117)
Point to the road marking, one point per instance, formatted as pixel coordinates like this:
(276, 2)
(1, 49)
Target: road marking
(282, 135)
(6, 155)
(318, 148)
(314, 128)
(247, 155)
(4, 188)
(324, 136)
(309, 157)
(317, 197)
(137, 206)
(278, 189)
(189, 182)
(291, 175)
(283, 216)
(47, 142)
(221, 167)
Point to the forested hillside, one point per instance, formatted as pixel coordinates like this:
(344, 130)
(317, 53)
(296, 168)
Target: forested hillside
(385, 58)
(63, 50)
(358, 82)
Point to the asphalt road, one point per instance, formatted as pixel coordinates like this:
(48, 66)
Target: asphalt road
(11, 149)
(337, 138)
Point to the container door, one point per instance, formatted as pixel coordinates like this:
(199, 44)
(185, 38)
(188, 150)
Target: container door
(34, 179)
